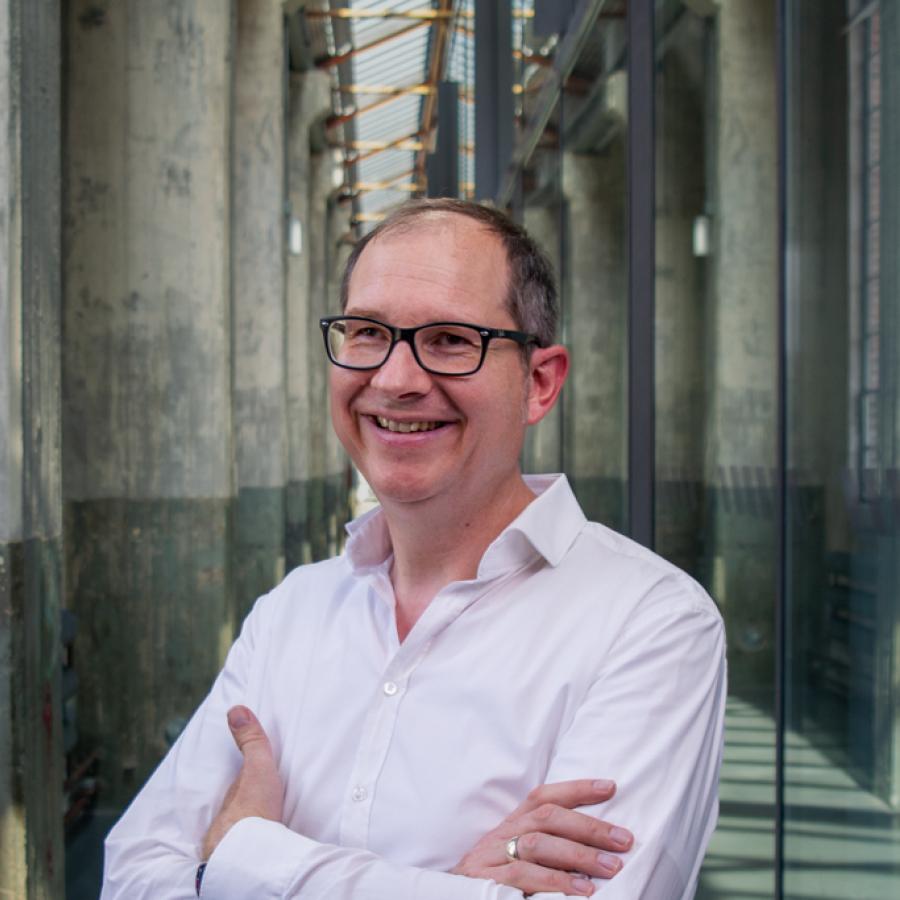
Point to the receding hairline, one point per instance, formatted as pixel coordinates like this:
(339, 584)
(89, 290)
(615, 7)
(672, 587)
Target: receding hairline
(431, 218)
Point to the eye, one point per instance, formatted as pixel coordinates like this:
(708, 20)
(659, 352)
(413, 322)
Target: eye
(453, 340)
(365, 332)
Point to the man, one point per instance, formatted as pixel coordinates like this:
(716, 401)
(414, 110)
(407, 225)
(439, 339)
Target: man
(425, 716)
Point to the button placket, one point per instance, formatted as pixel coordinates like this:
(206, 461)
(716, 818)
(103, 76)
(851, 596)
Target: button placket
(381, 720)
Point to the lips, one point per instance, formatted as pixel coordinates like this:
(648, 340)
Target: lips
(400, 427)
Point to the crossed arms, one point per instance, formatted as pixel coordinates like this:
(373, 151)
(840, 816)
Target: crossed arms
(659, 736)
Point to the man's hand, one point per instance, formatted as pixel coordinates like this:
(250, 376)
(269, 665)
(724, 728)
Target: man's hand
(554, 841)
(257, 791)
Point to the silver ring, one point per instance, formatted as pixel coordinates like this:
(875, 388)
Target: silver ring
(512, 849)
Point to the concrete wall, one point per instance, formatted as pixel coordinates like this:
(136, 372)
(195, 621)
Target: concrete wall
(681, 90)
(315, 487)
(147, 368)
(258, 307)
(595, 288)
(31, 762)
(543, 443)
(741, 410)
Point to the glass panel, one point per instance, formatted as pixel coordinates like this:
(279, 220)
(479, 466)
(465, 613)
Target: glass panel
(842, 694)
(594, 271)
(716, 392)
(541, 193)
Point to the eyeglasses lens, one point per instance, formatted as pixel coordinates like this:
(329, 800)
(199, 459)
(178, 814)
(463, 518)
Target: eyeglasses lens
(442, 349)
(358, 344)
(452, 349)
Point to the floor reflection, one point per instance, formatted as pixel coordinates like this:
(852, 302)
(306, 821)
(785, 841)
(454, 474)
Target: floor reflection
(841, 843)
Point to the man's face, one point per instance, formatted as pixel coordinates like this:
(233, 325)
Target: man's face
(446, 268)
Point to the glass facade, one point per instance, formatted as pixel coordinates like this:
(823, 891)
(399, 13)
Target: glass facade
(771, 264)
(777, 412)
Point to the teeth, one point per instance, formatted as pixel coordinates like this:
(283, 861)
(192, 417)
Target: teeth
(405, 427)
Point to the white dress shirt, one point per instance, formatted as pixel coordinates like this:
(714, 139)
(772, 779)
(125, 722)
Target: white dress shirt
(574, 653)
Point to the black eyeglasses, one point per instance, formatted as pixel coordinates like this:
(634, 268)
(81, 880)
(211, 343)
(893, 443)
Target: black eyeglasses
(441, 348)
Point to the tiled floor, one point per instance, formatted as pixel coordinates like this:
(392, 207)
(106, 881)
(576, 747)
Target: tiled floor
(840, 842)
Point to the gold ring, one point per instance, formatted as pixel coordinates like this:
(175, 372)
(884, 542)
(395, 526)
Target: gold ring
(512, 849)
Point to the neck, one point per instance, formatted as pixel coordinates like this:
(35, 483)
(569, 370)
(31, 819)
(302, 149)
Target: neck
(440, 541)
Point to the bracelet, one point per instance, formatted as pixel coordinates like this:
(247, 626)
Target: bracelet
(198, 880)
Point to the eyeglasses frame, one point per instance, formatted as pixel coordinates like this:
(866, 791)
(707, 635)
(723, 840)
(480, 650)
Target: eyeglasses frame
(408, 335)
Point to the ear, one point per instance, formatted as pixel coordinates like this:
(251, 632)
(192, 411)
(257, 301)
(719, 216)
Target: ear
(547, 372)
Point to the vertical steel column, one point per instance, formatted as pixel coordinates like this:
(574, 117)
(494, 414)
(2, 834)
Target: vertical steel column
(493, 95)
(641, 271)
(442, 166)
(781, 32)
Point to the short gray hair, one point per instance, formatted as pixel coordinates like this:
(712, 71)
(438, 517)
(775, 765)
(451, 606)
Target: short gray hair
(532, 298)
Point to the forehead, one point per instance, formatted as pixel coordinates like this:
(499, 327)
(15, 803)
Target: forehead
(445, 266)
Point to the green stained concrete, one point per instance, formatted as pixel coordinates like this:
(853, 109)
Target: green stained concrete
(258, 558)
(30, 661)
(150, 582)
(602, 499)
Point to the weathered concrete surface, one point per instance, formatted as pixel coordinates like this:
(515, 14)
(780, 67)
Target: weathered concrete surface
(31, 763)
(316, 502)
(887, 720)
(147, 250)
(258, 292)
(543, 443)
(147, 367)
(680, 297)
(595, 287)
(742, 409)
(149, 578)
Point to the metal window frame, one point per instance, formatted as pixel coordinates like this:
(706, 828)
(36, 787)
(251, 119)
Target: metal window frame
(641, 203)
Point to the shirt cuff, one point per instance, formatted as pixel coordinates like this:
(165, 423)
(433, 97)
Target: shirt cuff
(257, 858)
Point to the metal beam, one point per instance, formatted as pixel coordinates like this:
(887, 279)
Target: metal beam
(430, 14)
(335, 120)
(407, 142)
(443, 164)
(640, 191)
(564, 59)
(327, 62)
(436, 65)
(493, 95)
(376, 89)
(408, 187)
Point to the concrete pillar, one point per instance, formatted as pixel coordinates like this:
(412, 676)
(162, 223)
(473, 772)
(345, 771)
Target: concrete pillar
(596, 291)
(680, 290)
(543, 443)
(147, 368)
(336, 463)
(319, 489)
(741, 416)
(309, 104)
(31, 756)
(258, 292)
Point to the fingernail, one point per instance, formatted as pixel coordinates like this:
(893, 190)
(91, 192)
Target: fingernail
(610, 863)
(620, 836)
(582, 886)
(238, 718)
(603, 785)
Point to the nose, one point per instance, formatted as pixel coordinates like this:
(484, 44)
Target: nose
(401, 375)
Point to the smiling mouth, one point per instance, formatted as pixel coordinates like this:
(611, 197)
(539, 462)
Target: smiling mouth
(406, 427)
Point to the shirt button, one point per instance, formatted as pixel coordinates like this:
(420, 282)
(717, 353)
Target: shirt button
(390, 688)
(359, 794)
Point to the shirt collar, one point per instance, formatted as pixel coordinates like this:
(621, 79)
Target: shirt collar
(549, 525)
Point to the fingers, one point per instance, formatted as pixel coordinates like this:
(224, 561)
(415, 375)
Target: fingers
(249, 735)
(567, 856)
(579, 792)
(573, 826)
(534, 879)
